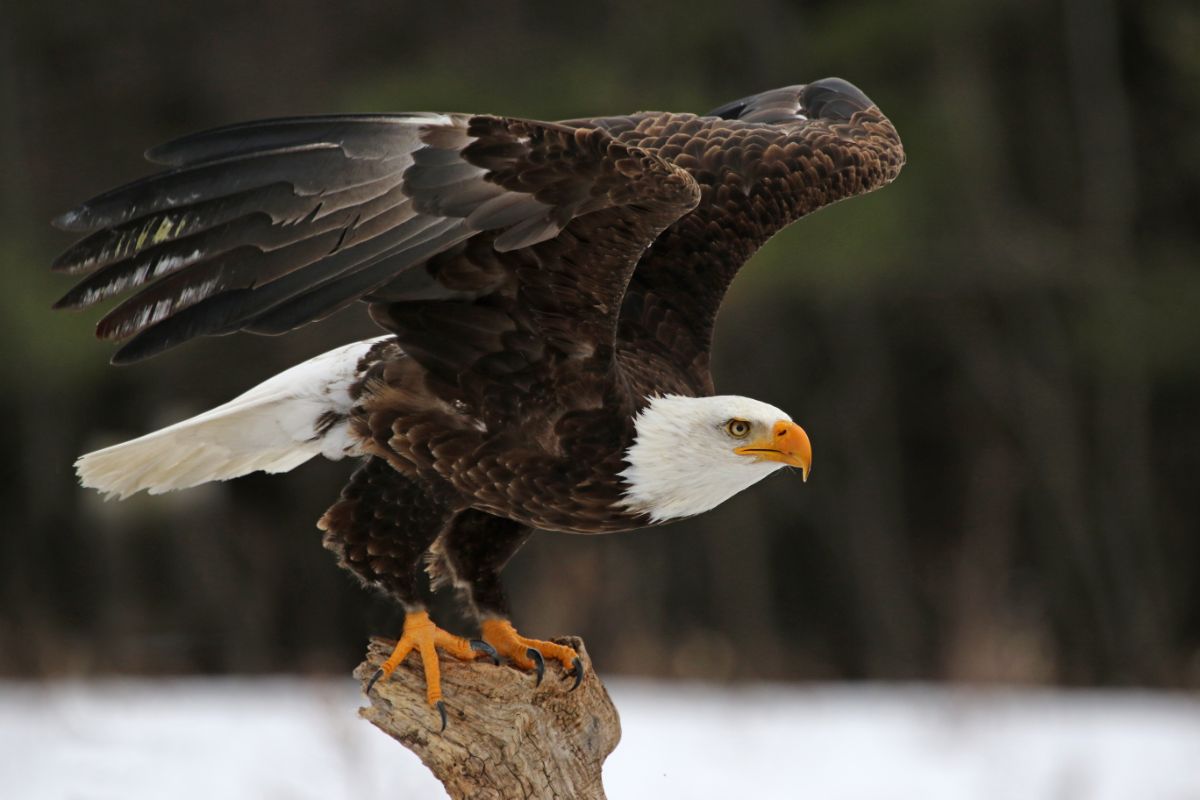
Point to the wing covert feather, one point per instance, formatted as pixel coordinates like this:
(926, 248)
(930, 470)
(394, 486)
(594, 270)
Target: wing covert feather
(762, 162)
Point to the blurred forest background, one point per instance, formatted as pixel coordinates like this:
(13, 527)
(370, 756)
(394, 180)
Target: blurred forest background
(997, 357)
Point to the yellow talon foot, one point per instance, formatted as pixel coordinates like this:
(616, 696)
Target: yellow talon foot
(422, 635)
(530, 654)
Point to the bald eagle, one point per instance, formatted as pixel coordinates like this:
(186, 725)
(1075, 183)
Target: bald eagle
(548, 292)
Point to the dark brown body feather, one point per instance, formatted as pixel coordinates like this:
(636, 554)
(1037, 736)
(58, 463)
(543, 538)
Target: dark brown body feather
(541, 281)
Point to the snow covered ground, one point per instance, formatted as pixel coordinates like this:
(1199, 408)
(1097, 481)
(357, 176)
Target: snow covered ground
(289, 738)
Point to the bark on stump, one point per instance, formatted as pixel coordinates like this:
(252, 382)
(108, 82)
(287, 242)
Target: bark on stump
(504, 738)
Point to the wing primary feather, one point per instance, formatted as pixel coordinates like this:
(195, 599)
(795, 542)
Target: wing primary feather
(229, 310)
(255, 231)
(359, 134)
(333, 295)
(278, 200)
(169, 258)
(111, 245)
(284, 270)
(310, 169)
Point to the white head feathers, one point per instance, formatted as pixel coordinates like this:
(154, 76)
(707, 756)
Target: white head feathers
(685, 459)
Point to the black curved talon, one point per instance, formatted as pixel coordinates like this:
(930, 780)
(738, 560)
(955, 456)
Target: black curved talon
(441, 707)
(480, 646)
(539, 664)
(378, 674)
(577, 671)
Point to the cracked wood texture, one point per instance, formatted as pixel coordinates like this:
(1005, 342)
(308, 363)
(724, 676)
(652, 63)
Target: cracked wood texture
(505, 737)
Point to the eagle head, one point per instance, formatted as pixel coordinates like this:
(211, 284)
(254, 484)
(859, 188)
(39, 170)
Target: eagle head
(691, 454)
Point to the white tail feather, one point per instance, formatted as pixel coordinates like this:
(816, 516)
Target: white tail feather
(274, 427)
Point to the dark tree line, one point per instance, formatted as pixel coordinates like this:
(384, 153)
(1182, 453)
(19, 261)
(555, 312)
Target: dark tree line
(997, 357)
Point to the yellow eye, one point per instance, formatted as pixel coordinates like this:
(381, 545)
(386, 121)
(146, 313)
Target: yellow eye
(737, 428)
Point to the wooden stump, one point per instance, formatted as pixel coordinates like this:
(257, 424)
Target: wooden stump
(505, 738)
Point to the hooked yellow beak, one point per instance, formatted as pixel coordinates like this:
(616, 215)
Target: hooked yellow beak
(787, 444)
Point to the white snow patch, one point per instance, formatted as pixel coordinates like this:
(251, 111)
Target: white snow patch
(297, 738)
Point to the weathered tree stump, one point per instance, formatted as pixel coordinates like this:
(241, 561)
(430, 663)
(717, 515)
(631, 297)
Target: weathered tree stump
(505, 737)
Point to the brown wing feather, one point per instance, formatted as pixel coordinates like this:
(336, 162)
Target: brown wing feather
(762, 163)
(536, 304)
(524, 233)
(271, 225)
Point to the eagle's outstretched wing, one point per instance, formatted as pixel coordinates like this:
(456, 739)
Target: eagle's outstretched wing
(762, 162)
(269, 225)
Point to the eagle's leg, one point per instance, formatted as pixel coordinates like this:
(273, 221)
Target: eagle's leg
(380, 529)
(470, 554)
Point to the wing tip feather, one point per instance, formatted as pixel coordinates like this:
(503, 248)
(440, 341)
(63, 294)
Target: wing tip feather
(834, 99)
(76, 220)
